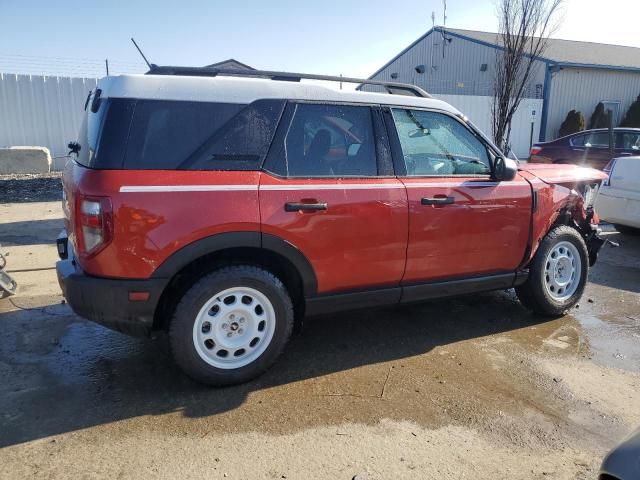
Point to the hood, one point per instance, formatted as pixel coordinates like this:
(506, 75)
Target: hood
(565, 174)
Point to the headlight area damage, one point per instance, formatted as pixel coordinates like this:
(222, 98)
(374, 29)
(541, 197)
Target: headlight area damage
(565, 195)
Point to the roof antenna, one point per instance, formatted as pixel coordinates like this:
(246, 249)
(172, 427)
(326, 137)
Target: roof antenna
(145, 58)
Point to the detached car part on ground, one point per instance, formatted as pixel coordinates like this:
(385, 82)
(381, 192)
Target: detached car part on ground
(8, 285)
(222, 210)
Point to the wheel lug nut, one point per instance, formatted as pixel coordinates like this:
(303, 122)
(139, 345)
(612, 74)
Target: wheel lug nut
(225, 326)
(232, 316)
(242, 320)
(240, 331)
(229, 334)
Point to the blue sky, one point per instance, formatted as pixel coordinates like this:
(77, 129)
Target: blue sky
(349, 37)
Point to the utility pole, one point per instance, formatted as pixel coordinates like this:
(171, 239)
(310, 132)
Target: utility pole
(106, 64)
(444, 25)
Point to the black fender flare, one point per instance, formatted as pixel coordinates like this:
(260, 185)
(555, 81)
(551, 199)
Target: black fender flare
(223, 241)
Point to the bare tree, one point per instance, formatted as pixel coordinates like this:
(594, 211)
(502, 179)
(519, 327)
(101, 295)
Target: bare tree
(524, 29)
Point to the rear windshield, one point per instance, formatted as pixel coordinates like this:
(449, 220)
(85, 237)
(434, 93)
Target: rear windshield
(177, 135)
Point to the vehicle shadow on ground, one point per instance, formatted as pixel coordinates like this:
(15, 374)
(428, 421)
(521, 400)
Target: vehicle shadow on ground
(31, 232)
(62, 374)
(36, 189)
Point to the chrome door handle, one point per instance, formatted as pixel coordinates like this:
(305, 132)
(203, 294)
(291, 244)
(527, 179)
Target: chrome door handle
(300, 206)
(437, 201)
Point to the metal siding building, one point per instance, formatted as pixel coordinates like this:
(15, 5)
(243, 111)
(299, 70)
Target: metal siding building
(582, 88)
(571, 75)
(453, 65)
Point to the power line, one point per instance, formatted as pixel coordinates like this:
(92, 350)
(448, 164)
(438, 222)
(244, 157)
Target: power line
(64, 66)
(65, 59)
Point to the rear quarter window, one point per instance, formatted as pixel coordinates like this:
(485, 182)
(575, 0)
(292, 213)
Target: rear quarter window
(167, 135)
(177, 135)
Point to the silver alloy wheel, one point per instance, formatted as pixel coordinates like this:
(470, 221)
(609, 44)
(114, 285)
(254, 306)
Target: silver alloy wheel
(562, 271)
(234, 327)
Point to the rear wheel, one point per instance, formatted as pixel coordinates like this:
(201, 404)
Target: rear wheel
(557, 274)
(231, 325)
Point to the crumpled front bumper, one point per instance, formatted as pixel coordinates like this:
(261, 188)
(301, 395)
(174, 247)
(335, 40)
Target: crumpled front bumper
(595, 242)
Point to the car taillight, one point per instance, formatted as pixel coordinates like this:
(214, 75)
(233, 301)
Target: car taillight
(535, 150)
(94, 226)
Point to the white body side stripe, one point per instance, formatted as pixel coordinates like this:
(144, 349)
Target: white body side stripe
(186, 188)
(335, 186)
(466, 183)
(304, 186)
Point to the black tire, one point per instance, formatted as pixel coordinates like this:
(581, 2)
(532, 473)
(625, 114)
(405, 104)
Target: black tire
(181, 330)
(627, 230)
(533, 293)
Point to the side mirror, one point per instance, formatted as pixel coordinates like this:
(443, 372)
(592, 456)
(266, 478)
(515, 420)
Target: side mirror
(504, 169)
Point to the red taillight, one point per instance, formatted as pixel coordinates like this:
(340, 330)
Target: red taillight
(535, 150)
(94, 226)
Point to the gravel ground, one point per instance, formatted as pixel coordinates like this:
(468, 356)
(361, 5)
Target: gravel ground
(21, 188)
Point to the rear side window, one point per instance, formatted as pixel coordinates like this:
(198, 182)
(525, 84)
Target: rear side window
(177, 135)
(330, 141)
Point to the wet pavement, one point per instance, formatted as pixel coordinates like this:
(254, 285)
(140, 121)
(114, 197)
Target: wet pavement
(471, 387)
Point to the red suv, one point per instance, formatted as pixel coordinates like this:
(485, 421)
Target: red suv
(223, 209)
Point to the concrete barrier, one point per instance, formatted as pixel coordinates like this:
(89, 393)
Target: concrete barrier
(24, 160)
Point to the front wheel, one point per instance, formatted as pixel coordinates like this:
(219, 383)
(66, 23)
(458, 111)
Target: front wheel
(231, 325)
(557, 274)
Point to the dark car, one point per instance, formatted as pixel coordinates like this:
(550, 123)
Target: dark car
(589, 147)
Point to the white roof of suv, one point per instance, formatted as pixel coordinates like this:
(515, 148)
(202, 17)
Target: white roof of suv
(246, 90)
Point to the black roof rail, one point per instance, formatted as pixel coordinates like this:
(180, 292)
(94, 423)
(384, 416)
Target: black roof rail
(391, 87)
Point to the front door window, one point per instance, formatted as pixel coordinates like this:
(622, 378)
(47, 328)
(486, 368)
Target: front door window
(435, 144)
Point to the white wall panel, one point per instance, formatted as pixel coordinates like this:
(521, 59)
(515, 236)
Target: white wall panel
(42, 111)
(478, 110)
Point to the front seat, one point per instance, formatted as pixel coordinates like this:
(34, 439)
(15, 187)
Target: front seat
(315, 162)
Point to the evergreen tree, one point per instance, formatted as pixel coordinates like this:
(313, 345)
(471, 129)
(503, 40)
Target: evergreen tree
(632, 117)
(573, 123)
(599, 118)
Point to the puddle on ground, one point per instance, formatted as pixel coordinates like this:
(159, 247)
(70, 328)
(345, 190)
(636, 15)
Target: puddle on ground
(614, 340)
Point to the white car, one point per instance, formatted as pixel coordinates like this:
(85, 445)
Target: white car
(619, 199)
